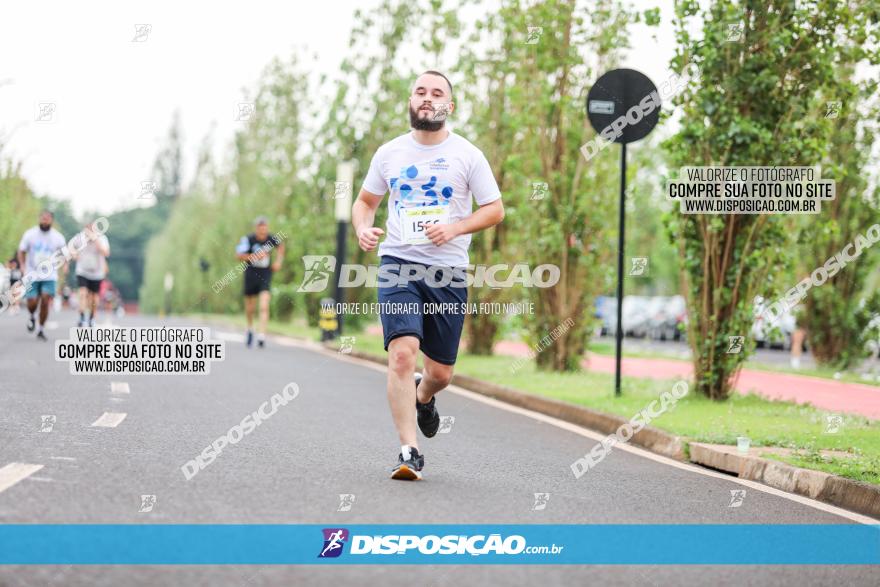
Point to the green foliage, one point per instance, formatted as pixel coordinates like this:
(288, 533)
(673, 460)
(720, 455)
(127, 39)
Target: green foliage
(756, 103)
(18, 209)
(836, 315)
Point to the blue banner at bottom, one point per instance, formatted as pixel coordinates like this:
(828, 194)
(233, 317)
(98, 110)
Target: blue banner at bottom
(619, 544)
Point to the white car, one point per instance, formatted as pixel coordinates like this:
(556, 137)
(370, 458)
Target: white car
(772, 335)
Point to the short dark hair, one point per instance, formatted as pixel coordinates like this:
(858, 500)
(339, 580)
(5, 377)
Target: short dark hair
(433, 72)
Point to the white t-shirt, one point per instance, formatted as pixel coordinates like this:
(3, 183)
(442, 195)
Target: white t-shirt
(428, 184)
(90, 261)
(39, 246)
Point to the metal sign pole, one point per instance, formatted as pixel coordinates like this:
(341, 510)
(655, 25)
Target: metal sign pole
(621, 243)
(626, 103)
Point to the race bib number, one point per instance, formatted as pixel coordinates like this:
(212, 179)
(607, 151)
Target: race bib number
(416, 221)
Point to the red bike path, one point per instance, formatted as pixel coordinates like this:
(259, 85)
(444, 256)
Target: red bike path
(827, 394)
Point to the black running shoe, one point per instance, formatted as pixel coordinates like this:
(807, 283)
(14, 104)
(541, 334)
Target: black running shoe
(261, 343)
(31, 324)
(250, 339)
(428, 418)
(41, 336)
(409, 469)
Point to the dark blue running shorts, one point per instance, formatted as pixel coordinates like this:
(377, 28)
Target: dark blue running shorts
(402, 309)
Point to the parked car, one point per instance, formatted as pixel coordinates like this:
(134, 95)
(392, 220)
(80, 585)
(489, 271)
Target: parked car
(669, 321)
(777, 335)
(606, 312)
(635, 315)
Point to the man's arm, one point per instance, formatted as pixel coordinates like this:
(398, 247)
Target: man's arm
(363, 214)
(276, 266)
(103, 248)
(485, 217)
(240, 253)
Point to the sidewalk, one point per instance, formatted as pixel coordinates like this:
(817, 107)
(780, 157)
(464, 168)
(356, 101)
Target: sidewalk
(851, 398)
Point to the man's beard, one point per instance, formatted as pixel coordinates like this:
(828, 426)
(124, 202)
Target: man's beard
(45, 227)
(424, 123)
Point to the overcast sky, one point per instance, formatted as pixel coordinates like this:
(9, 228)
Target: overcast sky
(114, 97)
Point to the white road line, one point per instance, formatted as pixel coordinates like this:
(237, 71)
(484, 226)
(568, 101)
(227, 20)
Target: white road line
(119, 387)
(109, 420)
(62, 458)
(15, 472)
(625, 447)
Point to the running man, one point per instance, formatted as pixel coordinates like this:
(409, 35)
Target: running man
(256, 249)
(91, 270)
(35, 251)
(433, 175)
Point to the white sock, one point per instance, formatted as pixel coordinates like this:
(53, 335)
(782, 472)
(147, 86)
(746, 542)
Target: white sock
(405, 451)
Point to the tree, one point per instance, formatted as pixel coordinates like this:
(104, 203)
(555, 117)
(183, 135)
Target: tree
(836, 315)
(546, 90)
(754, 104)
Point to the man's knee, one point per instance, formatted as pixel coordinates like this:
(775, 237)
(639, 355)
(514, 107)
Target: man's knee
(402, 355)
(442, 374)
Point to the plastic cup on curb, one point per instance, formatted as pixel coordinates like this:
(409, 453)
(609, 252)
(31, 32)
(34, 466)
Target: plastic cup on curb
(742, 444)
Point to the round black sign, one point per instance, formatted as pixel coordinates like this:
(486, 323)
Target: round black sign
(623, 105)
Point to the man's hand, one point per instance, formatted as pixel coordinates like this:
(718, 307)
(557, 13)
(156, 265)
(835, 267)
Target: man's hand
(276, 266)
(368, 238)
(440, 234)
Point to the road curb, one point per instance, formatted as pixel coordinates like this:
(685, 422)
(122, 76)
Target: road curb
(840, 491)
(649, 438)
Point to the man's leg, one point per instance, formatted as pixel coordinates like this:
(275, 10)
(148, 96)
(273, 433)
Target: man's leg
(84, 296)
(435, 377)
(264, 316)
(250, 303)
(402, 352)
(45, 302)
(32, 306)
(93, 306)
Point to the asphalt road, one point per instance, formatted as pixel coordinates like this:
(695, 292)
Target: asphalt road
(335, 438)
